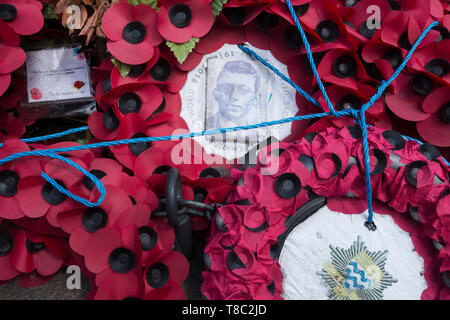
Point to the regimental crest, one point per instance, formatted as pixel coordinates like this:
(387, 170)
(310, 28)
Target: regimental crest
(356, 273)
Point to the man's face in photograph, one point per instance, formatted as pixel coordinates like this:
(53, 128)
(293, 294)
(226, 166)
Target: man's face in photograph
(236, 94)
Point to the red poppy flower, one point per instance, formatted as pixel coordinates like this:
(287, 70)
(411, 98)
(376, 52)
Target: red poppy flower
(165, 73)
(99, 167)
(239, 13)
(7, 271)
(15, 92)
(181, 20)
(35, 94)
(137, 73)
(78, 84)
(24, 16)
(420, 99)
(10, 125)
(11, 174)
(84, 223)
(34, 195)
(114, 253)
(166, 270)
(257, 32)
(32, 251)
(11, 57)
(133, 126)
(141, 99)
(131, 32)
(220, 34)
(341, 67)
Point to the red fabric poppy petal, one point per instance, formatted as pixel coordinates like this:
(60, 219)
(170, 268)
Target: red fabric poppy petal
(115, 19)
(191, 62)
(46, 262)
(29, 20)
(97, 127)
(138, 215)
(405, 103)
(169, 31)
(67, 205)
(148, 17)
(151, 97)
(116, 201)
(69, 221)
(11, 58)
(178, 266)
(100, 247)
(106, 165)
(29, 196)
(59, 170)
(436, 99)
(203, 20)
(347, 205)
(119, 286)
(7, 272)
(9, 208)
(80, 239)
(434, 130)
(131, 53)
(173, 291)
(21, 258)
(148, 161)
(5, 81)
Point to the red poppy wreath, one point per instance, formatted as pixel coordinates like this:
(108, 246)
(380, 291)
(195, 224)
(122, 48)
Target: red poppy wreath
(279, 212)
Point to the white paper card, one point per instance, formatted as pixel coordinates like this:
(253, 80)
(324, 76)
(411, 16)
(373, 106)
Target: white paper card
(57, 74)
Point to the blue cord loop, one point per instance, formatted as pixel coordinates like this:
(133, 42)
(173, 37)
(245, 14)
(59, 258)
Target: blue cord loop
(358, 115)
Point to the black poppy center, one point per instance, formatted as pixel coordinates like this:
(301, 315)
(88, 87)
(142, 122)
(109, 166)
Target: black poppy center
(129, 102)
(34, 246)
(110, 120)
(88, 183)
(7, 12)
(236, 16)
(344, 66)
(8, 183)
(438, 67)
(122, 260)
(107, 84)
(157, 275)
(327, 30)
(394, 57)
(403, 41)
(148, 238)
(301, 10)
(161, 107)
(429, 151)
(138, 147)
(349, 102)
(137, 70)
(445, 112)
(395, 139)
(180, 15)
(394, 5)
(162, 170)
(422, 85)
(134, 32)
(368, 31)
(266, 21)
(287, 185)
(94, 219)
(292, 37)
(443, 33)
(6, 243)
(210, 173)
(350, 3)
(52, 195)
(161, 70)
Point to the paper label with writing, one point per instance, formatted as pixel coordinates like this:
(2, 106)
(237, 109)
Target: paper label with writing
(57, 74)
